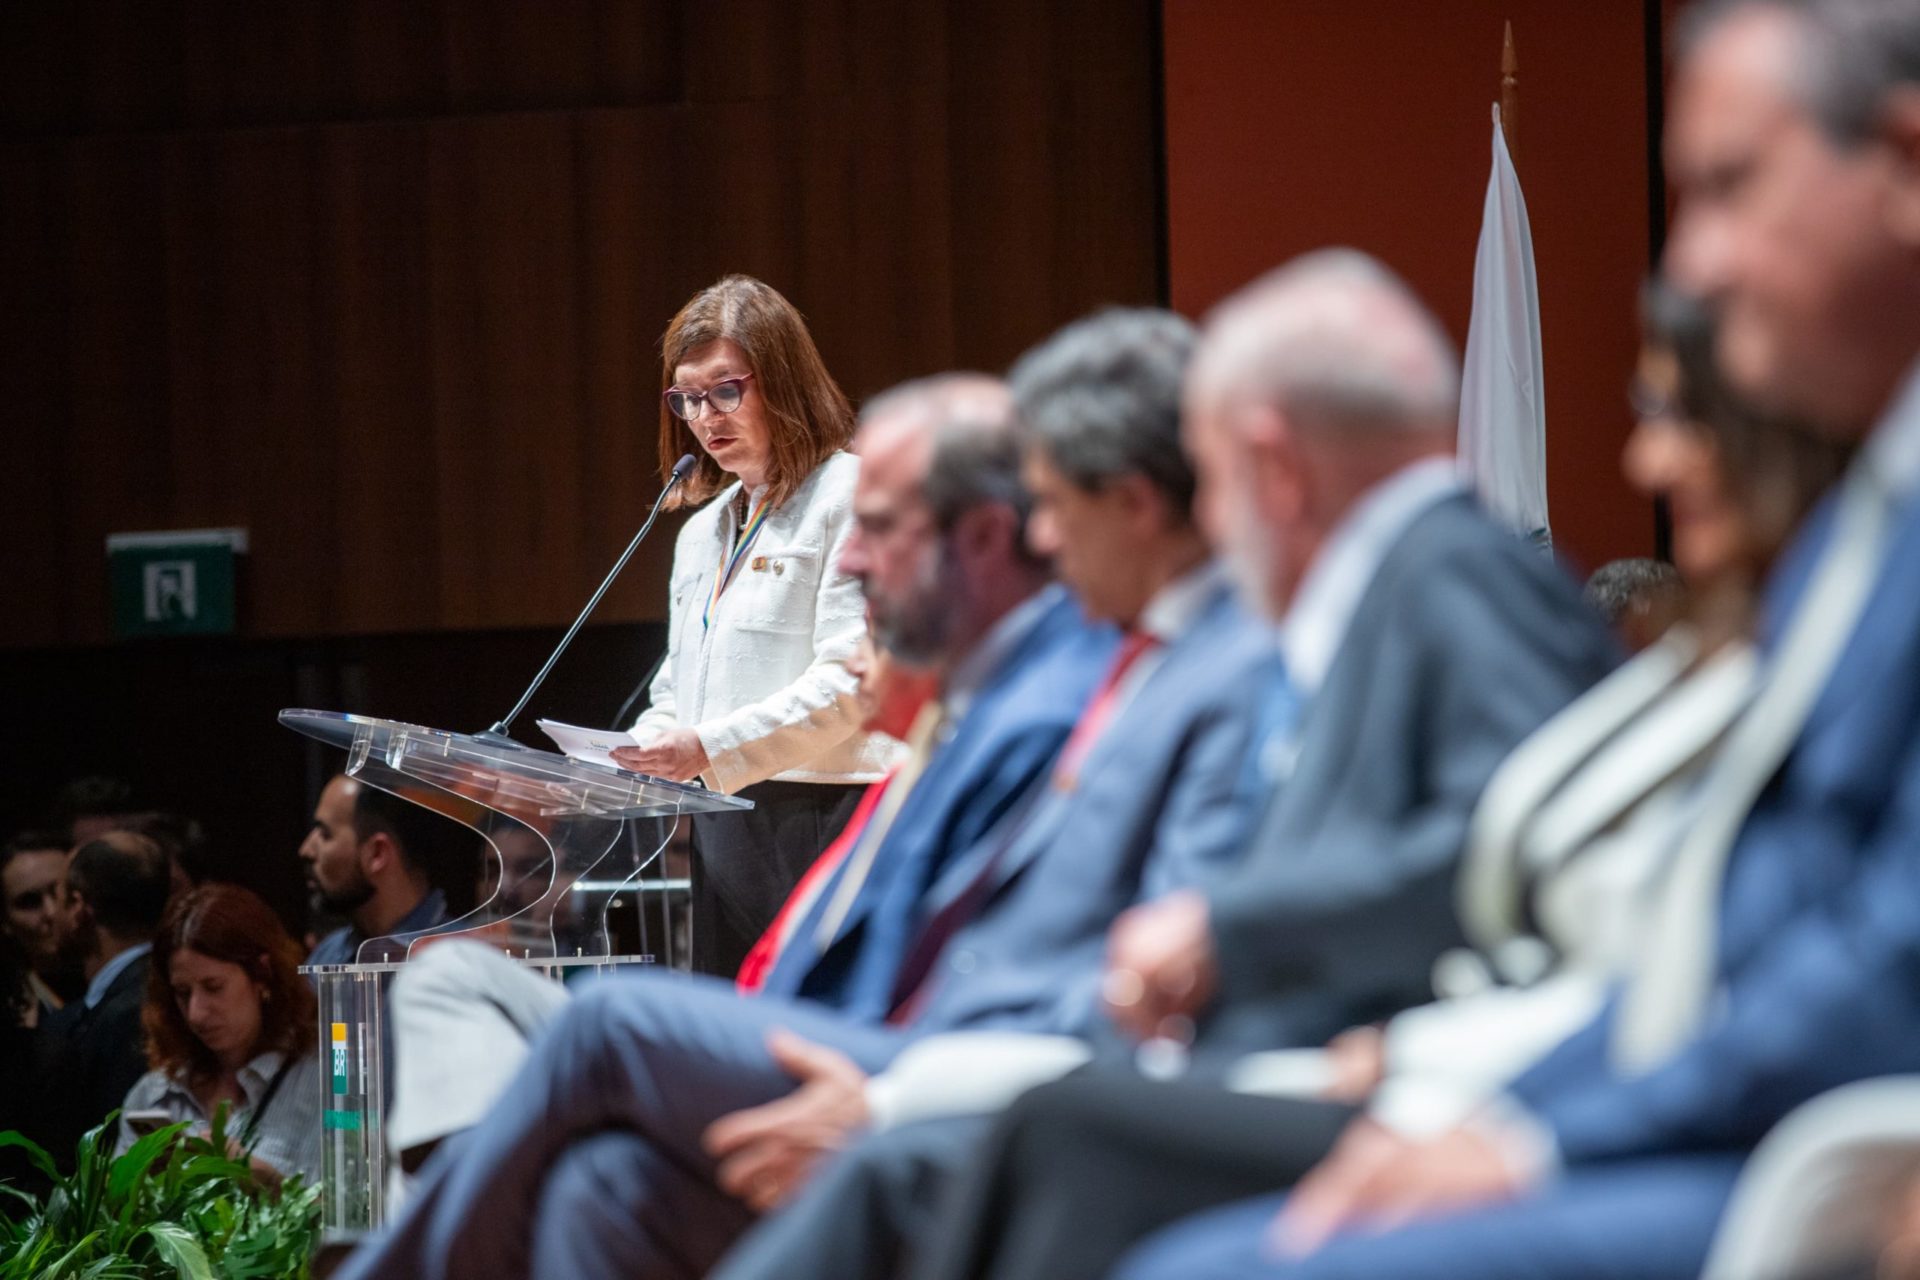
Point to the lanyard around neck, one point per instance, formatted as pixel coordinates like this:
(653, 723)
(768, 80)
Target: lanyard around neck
(730, 564)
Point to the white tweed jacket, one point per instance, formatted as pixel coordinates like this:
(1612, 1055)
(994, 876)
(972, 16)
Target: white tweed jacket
(766, 686)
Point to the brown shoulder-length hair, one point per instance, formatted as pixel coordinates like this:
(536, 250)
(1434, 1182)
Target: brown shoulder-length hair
(225, 922)
(808, 415)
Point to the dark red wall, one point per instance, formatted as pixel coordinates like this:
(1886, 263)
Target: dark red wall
(1296, 125)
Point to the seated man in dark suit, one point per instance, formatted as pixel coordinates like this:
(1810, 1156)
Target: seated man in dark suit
(117, 888)
(1783, 956)
(1424, 642)
(1150, 790)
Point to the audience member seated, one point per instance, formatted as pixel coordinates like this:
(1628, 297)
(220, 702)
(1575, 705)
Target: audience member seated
(19, 1055)
(229, 1020)
(1421, 639)
(1009, 934)
(33, 877)
(117, 888)
(1639, 598)
(1564, 856)
(365, 857)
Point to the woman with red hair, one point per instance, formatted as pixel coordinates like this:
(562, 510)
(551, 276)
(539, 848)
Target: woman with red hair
(229, 1019)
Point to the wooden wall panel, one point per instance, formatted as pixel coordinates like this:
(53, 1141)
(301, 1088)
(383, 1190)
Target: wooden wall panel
(378, 465)
(506, 347)
(626, 222)
(115, 471)
(1044, 192)
(35, 395)
(384, 283)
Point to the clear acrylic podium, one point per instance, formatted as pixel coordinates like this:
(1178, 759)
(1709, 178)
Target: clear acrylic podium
(566, 842)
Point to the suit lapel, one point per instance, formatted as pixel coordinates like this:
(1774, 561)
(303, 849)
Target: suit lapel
(1331, 716)
(1034, 827)
(910, 841)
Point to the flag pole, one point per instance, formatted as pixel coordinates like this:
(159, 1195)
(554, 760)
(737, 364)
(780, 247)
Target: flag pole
(1510, 95)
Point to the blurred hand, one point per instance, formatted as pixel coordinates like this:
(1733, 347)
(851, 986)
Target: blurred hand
(1358, 1061)
(1161, 968)
(675, 755)
(767, 1152)
(1900, 1256)
(1377, 1179)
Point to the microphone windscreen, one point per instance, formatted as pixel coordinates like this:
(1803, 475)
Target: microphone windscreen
(683, 466)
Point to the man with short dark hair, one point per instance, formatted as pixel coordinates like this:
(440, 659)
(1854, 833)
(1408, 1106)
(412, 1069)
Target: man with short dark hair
(365, 860)
(117, 890)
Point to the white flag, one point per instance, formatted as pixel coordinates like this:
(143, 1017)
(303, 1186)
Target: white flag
(1503, 411)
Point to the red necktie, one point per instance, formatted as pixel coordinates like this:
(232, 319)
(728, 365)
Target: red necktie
(1099, 710)
(760, 961)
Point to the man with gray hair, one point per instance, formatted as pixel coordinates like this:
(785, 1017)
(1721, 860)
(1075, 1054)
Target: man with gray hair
(1321, 409)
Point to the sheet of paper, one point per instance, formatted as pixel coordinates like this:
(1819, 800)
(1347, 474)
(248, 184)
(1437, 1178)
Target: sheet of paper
(595, 746)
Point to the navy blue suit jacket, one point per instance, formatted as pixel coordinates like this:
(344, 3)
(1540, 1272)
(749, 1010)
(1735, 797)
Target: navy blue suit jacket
(1819, 936)
(1017, 722)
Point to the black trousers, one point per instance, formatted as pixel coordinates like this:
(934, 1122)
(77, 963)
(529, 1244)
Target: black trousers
(861, 1214)
(1078, 1171)
(745, 863)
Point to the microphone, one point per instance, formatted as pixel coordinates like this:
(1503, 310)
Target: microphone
(500, 734)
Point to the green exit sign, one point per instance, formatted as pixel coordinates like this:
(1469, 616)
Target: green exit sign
(177, 582)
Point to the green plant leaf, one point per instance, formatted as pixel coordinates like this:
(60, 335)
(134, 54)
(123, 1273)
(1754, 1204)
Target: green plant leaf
(177, 1246)
(73, 1255)
(7, 1189)
(35, 1152)
(132, 1168)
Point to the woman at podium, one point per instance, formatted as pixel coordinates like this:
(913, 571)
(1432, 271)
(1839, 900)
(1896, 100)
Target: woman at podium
(754, 698)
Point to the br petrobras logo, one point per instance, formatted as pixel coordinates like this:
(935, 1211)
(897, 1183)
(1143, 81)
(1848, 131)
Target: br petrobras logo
(340, 1057)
